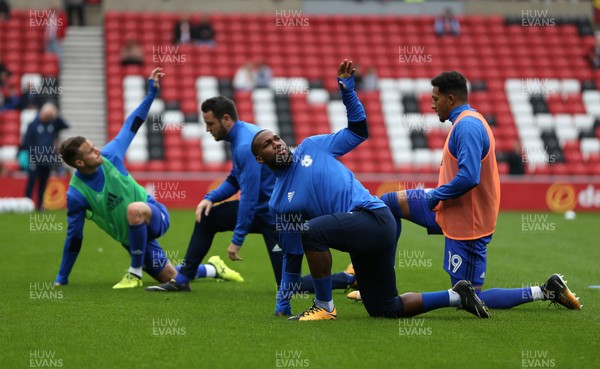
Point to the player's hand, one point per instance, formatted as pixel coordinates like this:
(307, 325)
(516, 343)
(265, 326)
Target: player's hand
(432, 201)
(345, 70)
(232, 251)
(156, 75)
(203, 208)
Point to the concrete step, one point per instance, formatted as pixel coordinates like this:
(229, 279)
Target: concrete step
(97, 122)
(75, 90)
(85, 103)
(74, 77)
(90, 101)
(79, 88)
(82, 77)
(76, 54)
(81, 72)
(76, 126)
(84, 43)
(96, 138)
(78, 76)
(76, 30)
(87, 115)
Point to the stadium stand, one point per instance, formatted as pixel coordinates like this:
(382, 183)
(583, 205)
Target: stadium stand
(22, 50)
(533, 84)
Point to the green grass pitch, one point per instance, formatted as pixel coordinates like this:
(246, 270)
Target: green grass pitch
(231, 325)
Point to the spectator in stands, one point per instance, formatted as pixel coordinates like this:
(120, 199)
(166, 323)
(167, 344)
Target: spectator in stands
(262, 74)
(55, 32)
(595, 54)
(31, 98)
(205, 33)
(132, 53)
(75, 7)
(40, 142)
(4, 73)
(369, 82)
(516, 166)
(12, 100)
(244, 78)
(4, 10)
(184, 32)
(447, 24)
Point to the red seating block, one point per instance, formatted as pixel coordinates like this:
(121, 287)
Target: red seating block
(493, 52)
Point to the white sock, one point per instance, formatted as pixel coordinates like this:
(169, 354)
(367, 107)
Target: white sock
(211, 271)
(327, 305)
(454, 298)
(537, 293)
(136, 271)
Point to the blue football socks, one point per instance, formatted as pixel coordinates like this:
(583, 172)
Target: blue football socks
(505, 298)
(435, 300)
(138, 238)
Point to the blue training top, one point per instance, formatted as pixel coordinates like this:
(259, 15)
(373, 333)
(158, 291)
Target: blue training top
(76, 202)
(316, 184)
(255, 181)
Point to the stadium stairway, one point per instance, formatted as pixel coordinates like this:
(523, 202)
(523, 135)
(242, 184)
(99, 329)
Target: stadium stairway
(82, 78)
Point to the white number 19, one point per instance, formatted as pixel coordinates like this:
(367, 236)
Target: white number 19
(455, 260)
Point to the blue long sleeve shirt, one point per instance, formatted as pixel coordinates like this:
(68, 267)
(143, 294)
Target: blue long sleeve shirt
(255, 182)
(469, 144)
(76, 202)
(315, 184)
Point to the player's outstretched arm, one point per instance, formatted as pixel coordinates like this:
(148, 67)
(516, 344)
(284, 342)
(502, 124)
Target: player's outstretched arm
(354, 109)
(341, 142)
(74, 239)
(118, 146)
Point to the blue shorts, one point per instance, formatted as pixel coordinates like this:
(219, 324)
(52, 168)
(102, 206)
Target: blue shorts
(160, 220)
(155, 259)
(462, 259)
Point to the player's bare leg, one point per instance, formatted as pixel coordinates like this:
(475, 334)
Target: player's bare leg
(138, 213)
(166, 274)
(319, 263)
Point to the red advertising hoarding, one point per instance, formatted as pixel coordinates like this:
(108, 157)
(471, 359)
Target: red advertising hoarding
(519, 193)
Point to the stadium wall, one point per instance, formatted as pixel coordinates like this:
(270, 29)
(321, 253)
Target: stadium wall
(531, 194)
(582, 8)
(480, 7)
(35, 4)
(202, 6)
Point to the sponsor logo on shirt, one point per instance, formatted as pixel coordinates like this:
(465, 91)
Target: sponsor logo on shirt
(113, 201)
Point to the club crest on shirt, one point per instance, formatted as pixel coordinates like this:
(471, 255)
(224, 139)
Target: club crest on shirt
(306, 161)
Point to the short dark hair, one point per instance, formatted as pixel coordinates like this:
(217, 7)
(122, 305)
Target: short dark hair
(254, 145)
(452, 83)
(69, 149)
(220, 105)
